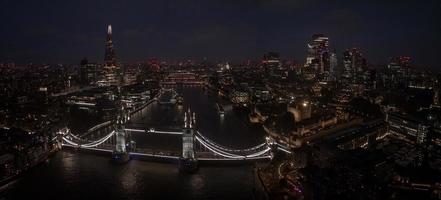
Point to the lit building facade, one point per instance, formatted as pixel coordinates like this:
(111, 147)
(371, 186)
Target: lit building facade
(271, 59)
(407, 128)
(111, 69)
(88, 72)
(354, 66)
(318, 53)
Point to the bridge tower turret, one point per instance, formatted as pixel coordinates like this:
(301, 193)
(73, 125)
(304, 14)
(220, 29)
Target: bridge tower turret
(120, 155)
(188, 161)
(188, 137)
(120, 146)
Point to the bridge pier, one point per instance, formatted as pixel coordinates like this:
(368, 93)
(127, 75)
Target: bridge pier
(59, 140)
(188, 162)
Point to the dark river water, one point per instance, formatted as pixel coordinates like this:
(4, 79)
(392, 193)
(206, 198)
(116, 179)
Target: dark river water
(74, 175)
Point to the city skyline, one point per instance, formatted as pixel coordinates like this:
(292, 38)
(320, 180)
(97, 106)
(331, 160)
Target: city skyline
(224, 31)
(220, 99)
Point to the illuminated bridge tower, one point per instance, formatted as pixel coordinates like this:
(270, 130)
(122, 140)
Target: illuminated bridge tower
(120, 136)
(188, 161)
(120, 155)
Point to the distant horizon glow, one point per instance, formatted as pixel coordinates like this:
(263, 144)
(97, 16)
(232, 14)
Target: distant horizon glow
(217, 31)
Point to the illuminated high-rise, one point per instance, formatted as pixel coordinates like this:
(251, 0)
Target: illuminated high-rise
(87, 72)
(333, 63)
(109, 56)
(318, 53)
(354, 65)
(271, 59)
(348, 71)
(111, 68)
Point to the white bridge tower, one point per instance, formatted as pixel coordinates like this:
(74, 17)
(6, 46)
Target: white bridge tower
(188, 135)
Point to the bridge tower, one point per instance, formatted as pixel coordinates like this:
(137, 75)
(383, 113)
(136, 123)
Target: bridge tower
(120, 136)
(188, 161)
(120, 155)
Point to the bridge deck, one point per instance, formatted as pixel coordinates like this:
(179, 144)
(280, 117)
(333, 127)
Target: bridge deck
(167, 157)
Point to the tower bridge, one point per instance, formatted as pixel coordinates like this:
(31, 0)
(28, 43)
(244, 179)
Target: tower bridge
(195, 146)
(116, 138)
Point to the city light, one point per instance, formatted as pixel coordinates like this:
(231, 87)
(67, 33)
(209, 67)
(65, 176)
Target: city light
(220, 100)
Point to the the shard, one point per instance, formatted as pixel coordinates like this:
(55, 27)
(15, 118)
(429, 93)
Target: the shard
(109, 57)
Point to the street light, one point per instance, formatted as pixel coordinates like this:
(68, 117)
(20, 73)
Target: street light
(305, 103)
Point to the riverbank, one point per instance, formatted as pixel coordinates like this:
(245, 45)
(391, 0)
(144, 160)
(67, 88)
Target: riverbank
(22, 172)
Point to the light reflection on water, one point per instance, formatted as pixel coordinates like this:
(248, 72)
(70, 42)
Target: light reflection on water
(94, 177)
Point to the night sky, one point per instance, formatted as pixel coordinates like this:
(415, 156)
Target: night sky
(228, 30)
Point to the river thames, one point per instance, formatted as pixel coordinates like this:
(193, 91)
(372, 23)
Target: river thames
(74, 175)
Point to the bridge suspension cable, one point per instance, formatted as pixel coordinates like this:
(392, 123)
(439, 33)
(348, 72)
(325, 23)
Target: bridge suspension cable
(91, 144)
(100, 141)
(221, 153)
(228, 149)
(230, 155)
(260, 152)
(75, 137)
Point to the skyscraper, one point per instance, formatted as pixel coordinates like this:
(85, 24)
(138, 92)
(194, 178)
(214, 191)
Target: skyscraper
(318, 53)
(109, 56)
(354, 64)
(88, 72)
(271, 59)
(397, 72)
(348, 71)
(333, 62)
(111, 69)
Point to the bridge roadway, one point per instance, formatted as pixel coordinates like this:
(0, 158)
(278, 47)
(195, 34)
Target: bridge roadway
(215, 152)
(165, 156)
